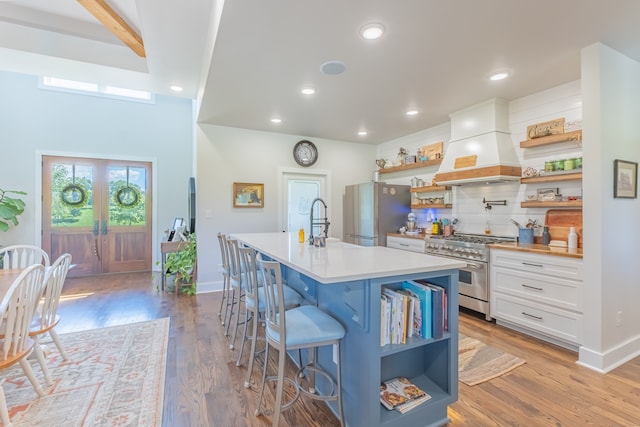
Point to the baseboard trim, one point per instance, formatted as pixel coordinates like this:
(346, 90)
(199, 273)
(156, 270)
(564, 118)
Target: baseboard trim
(610, 359)
(205, 287)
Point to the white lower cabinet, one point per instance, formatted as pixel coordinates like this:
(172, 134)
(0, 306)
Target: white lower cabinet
(538, 294)
(406, 243)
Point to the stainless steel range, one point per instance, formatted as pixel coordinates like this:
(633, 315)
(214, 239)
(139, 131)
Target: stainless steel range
(474, 278)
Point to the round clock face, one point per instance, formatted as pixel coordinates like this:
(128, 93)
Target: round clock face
(305, 153)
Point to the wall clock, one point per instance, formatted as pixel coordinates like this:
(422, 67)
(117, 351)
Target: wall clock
(305, 153)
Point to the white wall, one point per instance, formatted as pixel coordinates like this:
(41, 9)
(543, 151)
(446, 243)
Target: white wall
(610, 88)
(226, 155)
(34, 121)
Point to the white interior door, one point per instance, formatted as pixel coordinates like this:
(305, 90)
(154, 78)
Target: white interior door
(298, 190)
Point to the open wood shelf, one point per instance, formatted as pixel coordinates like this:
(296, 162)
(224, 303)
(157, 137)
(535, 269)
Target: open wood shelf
(417, 165)
(552, 204)
(552, 178)
(575, 136)
(430, 188)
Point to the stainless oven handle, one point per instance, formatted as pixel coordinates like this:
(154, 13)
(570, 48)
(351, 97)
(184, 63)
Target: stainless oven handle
(476, 266)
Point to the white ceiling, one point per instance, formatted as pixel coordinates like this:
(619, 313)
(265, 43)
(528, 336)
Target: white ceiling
(246, 60)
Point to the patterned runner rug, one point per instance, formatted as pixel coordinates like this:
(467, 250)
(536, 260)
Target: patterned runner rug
(114, 377)
(478, 362)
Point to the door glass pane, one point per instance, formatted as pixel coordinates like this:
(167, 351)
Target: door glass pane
(301, 194)
(127, 191)
(71, 195)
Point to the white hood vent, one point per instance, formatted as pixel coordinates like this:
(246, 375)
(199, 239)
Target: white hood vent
(480, 150)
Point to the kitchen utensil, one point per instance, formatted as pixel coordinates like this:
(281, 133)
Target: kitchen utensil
(516, 223)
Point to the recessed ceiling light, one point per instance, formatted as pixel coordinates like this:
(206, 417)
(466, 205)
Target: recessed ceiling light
(411, 112)
(362, 133)
(276, 121)
(372, 31)
(308, 90)
(176, 88)
(499, 76)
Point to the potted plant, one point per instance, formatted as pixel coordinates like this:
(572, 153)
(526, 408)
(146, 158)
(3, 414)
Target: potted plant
(182, 265)
(10, 208)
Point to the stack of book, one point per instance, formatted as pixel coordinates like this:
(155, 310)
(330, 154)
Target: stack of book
(416, 309)
(401, 394)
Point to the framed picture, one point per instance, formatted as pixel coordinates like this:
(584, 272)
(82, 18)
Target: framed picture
(247, 195)
(625, 179)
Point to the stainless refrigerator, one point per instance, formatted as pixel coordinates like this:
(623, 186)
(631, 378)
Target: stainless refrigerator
(373, 209)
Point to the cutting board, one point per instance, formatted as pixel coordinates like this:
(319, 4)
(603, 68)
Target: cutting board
(560, 220)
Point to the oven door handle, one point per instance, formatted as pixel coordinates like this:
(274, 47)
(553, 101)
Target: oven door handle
(476, 266)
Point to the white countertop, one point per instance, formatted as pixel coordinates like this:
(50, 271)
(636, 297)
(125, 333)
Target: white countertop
(342, 262)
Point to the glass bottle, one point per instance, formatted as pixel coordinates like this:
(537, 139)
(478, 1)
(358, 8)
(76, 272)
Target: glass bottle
(301, 235)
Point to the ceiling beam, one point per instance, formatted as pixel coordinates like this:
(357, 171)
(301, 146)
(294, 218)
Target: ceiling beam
(110, 19)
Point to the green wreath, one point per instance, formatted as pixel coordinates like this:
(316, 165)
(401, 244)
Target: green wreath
(74, 196)
(127, 197)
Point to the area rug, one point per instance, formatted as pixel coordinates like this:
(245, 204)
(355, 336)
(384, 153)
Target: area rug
(114, 377)
(478, 362)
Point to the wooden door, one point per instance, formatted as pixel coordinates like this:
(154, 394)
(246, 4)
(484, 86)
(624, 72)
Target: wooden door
(99, 211)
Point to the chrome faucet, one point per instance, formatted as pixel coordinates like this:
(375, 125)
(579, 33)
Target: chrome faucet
(318, 221)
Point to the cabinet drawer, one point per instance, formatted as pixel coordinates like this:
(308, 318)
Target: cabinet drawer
(406, 243)
(561, 293)
(547, 320)
(568, 268)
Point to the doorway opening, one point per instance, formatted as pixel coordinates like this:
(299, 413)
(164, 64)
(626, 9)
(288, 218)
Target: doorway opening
(298, 189)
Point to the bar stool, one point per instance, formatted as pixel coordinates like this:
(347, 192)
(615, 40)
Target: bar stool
(254, 304)
(224, 254)
(304, 327)
(236, 279)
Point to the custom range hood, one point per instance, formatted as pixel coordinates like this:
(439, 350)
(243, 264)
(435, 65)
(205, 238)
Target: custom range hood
(480, 150)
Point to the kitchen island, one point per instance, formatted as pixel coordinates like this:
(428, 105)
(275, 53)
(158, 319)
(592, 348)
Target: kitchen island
(346, 281)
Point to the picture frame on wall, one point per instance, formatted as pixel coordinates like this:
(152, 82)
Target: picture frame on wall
(625, 179)
(248, 195)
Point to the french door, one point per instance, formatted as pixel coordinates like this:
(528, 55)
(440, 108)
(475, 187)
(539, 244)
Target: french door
(99, 211)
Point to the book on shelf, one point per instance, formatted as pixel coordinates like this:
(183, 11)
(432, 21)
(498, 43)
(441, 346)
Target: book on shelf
(438, 309)
(423, 314)
(385, 316)
(398, 318)
(401, 394)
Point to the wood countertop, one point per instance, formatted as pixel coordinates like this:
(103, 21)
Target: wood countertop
(538, 249)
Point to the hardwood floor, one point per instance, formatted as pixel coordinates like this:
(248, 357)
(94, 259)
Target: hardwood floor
(204, 387)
